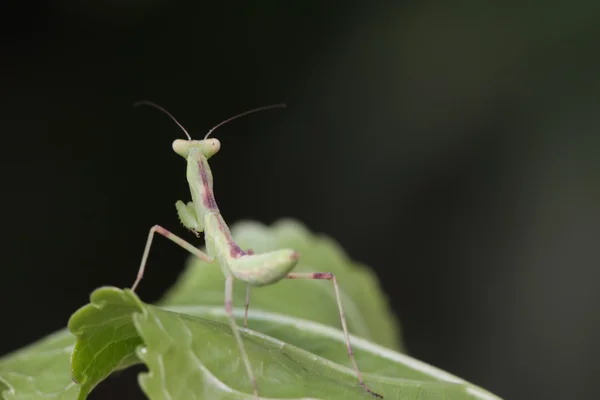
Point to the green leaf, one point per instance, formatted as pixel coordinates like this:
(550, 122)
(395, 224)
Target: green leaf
(40, 370)
(367, 311)
(106, 337)
(327, 344)
(193, 357)
(295, 347)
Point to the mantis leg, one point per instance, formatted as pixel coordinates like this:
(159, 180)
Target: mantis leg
(246, 305)
(247, 302)
(172, 237)
(329, 276)
(189, 219)
(236, 332)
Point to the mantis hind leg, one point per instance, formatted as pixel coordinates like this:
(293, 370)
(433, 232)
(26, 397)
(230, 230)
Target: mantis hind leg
(236, 332)
(329, 276)
(188, 217)
(247, 302)
(172, 237)
(246, 305)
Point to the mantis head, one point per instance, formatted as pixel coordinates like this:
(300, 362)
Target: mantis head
(207, 147)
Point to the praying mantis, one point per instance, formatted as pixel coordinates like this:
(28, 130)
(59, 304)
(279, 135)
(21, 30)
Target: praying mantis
(202, 215)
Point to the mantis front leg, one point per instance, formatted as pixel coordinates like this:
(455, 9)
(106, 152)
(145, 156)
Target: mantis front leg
(189, 219)
(172, 237)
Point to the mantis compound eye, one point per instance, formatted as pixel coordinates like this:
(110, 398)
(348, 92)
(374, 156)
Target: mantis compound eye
(209, 147)
(182, 147)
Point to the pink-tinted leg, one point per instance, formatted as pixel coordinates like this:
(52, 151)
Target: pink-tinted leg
(247, 302)
(236, 332)
(329, 276)
(174, 238)
(246, 305)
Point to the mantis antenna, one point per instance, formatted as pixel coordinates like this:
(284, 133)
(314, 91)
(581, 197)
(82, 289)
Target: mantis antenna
(149, 103)
(242, 114)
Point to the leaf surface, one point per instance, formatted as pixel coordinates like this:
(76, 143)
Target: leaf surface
(294, 343)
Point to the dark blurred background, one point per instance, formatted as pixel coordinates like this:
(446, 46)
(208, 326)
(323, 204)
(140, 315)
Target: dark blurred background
(451, 147)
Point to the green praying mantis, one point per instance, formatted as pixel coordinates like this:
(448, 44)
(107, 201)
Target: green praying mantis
(202, 215)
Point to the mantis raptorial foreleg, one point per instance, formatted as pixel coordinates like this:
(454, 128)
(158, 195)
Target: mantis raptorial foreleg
(189, 219)
(174, 238)
(329, 276)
